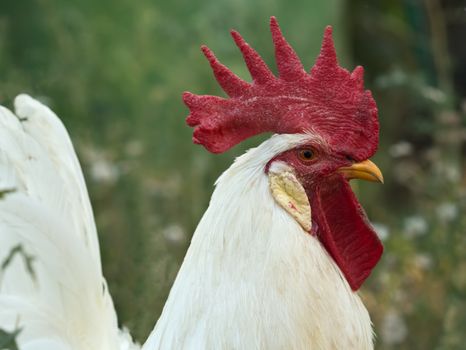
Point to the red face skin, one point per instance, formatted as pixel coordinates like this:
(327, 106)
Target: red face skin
(338, 220)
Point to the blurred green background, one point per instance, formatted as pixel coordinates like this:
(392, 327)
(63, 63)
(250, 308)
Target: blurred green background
(114, 70)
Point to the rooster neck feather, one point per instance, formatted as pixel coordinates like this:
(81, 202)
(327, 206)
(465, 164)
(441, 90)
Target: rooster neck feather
(259, 282)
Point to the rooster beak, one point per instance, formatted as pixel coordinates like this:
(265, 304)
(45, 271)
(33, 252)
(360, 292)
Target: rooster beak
(365, 170)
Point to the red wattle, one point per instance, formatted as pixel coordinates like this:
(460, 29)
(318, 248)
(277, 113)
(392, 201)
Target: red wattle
(345, 232)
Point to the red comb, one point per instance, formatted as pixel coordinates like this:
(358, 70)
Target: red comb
(328, 100)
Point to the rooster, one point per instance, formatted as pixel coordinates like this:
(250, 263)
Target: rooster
(277, 258)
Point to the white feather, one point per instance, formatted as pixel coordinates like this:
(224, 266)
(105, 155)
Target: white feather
(65, 304)
(253, 279)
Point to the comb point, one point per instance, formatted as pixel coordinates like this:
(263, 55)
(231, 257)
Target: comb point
(288, 63)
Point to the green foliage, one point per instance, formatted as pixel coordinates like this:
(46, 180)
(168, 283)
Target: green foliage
(114, 71)
(28, 260)
(6, 191)
(8, 339)
(417, 297)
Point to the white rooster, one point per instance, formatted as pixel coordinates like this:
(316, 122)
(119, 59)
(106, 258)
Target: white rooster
(278, 256)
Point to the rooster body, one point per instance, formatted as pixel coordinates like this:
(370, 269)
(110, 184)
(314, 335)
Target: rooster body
(276, 260)
(258, 288)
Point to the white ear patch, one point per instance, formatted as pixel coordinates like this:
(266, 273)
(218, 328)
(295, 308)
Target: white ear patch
(291, 196)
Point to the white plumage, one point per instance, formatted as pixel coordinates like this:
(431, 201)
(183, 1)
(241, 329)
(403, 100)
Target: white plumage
(48, 215)
(252, 277)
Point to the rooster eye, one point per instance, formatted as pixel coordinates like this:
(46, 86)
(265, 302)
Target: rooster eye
(306, 154)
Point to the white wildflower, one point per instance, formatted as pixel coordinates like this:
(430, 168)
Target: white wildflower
(448, 170)
(394, 329)
(382, 230)
(400, 149)
(433, 94)
(423, 261)
(102, 170)
(447, 211)
(452, 173)
(415, 226)
(174, 234)
(396, 77)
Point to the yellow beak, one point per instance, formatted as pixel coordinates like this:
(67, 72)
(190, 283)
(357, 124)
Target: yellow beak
(365, 170)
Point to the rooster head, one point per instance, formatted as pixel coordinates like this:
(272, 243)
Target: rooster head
(309, 180)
